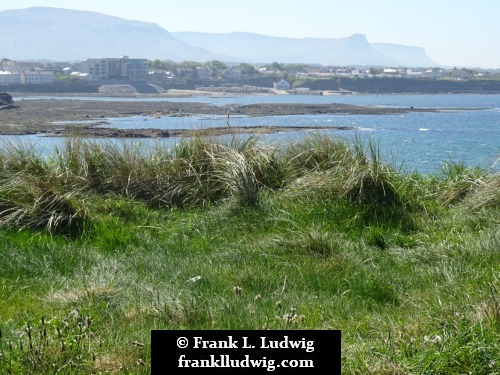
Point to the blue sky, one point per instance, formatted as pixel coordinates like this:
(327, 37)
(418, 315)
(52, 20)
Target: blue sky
(453, 32)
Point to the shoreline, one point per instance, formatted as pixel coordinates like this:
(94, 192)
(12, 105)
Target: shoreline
(187, 133)
(188, 93)
(57, 116)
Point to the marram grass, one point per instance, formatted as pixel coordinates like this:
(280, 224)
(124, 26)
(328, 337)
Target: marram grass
(102, 242)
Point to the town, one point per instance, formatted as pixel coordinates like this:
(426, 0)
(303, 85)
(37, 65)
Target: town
(143, 75)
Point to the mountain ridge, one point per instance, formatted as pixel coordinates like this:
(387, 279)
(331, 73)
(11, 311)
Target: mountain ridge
(352, 50)
(66, 34)
(39, 33)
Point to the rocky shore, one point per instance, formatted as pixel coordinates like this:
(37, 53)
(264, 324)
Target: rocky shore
(55, 117)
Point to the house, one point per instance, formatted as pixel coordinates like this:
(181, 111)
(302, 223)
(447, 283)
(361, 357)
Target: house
(359, 72)
(184, 73)
(390, 72)
(282, 85)
(81, 76)
(233, 75)
(159, 76)
(412, 74)
(204, 74)
(433, 73)
(461, 73)
(66, 71)
(266, 72)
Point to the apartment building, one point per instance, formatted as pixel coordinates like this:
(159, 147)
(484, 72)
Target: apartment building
(26, 77)
(8, 77)
(123, 68)
(37, 77)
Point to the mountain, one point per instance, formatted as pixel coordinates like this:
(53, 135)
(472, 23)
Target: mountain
(353, 50)
(262, 48)
(63, 34)
(405, 55)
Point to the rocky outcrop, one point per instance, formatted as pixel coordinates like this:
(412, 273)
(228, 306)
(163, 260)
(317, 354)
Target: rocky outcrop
(5, 99)
(124, 89)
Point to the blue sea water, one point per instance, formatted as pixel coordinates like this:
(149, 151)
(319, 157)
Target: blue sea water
(420, 141)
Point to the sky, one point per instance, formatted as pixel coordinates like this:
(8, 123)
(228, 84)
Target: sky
(453, 32)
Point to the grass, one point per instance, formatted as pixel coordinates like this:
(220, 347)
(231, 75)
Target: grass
(100, 243)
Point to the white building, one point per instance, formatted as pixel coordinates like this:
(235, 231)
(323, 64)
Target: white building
(8, 77)
(390, 71)
(67, 71)
(37, 77)
(81, 76)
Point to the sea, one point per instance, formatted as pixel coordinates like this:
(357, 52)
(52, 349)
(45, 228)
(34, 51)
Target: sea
(465, 129)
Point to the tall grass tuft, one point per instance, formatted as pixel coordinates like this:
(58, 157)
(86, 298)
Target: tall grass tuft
(368, 179)
(316, 153)
(459, 181)
(17, 156)
(268, 165)
(376, 187)
(237, 176)
(31, 202)
(486, 194)
(191, 179)
(33, 195)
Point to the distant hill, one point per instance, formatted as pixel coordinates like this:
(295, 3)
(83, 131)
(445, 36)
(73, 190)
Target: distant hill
(405, 55)
(353, 50)
(62, 34)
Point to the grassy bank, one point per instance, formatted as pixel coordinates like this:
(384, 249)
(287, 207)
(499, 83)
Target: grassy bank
(100, 243)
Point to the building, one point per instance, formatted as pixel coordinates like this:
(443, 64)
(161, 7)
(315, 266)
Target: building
(233, 75)
(122, 68)
(412, 74)
(461, 73)
(8, 77)
(134, 69)
(390, 72)
(184, 73)
(81, 76)
(282, 85)
(97, 68)
(66, 71)
(204, 74)
(37, 77)
(434, 73)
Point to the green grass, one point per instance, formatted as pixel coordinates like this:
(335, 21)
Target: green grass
(100, 243)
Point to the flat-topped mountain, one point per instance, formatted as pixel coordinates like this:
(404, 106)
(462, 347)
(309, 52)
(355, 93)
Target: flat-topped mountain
(63, 34)
(353, 50)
